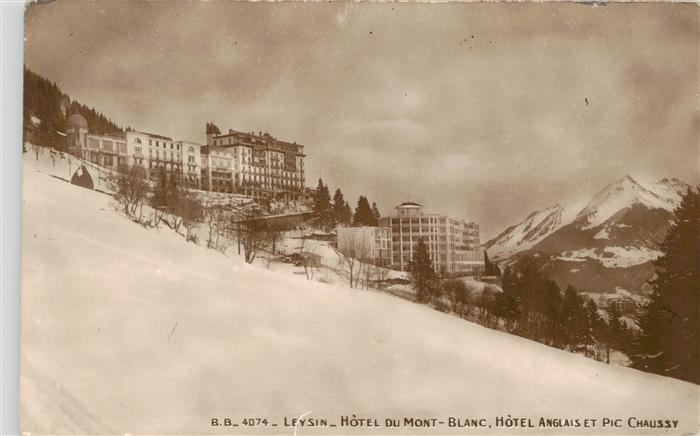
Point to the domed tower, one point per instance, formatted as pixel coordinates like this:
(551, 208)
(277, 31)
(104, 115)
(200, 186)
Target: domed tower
(77, 129)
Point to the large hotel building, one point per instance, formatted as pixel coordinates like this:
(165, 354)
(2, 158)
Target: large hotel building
(255, 164)
(244, 163)
(453, 244)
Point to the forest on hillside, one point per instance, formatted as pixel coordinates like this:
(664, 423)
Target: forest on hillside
(46, 109)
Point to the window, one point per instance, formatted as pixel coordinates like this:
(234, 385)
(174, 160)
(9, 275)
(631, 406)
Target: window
(138, 140)
(137, 150)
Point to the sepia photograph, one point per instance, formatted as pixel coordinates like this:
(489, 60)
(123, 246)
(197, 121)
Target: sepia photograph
(360, 218)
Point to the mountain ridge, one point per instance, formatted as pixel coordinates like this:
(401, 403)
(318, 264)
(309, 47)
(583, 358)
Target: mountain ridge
(607, 244)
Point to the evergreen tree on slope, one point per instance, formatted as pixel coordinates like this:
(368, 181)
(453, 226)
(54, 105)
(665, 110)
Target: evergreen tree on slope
(339, 214)
(363, 213)
(322, 207)
(421, 272)
(668, 341)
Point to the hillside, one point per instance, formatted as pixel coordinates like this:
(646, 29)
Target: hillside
(46, 107)
(128, 329)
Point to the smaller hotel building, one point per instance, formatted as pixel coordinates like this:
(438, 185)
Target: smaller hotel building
(367, 244)
(453, 244)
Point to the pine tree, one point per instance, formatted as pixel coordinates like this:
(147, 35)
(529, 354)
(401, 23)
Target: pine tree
(592, 324)
(507, 303)
(615, 331)
(549, 304)
(649, 348)
(490, 269)
(363, 214)
(347, 213)
(668, 341)
(573, 318)
(322, 206)
(339, 215)
(421, 272)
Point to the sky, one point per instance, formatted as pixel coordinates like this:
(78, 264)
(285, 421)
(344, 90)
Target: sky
(482, 111)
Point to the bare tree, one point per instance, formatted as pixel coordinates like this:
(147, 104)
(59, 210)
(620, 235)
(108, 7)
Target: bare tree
(130, 190)
(209, 211)
(354, 250)
(275, 232)
(216, 217)
(456, 292)
(381, 276)
(37, 150)
(304, 258)
(308, 268)
(191, 212)
(251, 231)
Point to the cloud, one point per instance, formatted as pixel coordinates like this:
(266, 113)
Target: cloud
(476, 109)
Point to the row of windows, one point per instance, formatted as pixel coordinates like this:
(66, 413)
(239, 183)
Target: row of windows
(106, 145)
(454, 224)
(442, 258)
(423, 220)
(167, 166)
(173, 156)
(159, 143)
(395, 238)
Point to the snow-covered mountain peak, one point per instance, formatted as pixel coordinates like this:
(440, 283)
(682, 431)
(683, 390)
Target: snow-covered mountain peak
(618, 196)
(601, 242)
(586, 213)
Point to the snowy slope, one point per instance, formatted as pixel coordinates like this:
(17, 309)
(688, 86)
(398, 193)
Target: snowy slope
(128, 329)
(671, 190)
